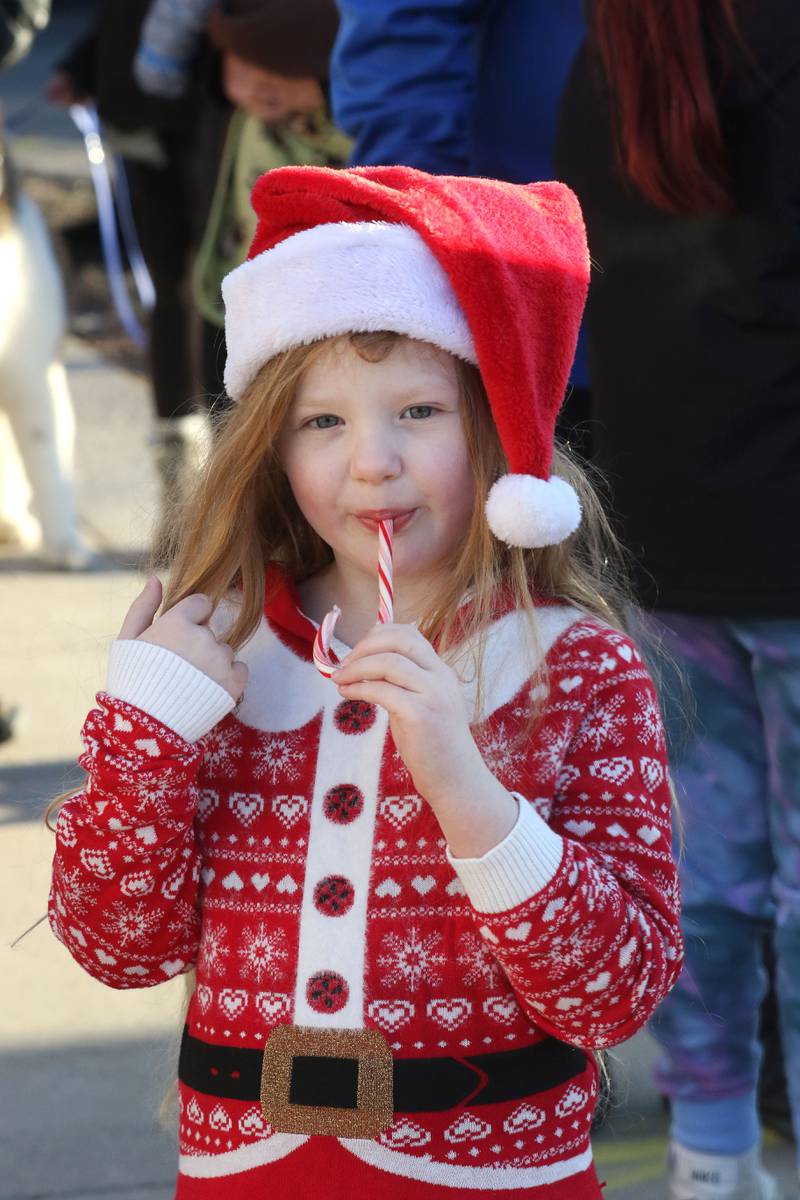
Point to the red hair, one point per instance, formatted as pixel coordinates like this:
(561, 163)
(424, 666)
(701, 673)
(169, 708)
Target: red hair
(655, 56)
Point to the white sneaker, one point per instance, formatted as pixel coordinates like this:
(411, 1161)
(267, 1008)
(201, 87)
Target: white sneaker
(697, 1176)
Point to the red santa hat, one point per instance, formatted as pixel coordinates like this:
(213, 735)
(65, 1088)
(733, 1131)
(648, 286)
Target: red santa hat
(495, 273)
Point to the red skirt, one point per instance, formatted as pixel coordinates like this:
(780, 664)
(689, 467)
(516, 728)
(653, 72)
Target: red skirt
(321, 1169)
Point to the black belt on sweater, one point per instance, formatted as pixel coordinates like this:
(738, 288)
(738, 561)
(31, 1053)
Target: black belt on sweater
(419, 1084)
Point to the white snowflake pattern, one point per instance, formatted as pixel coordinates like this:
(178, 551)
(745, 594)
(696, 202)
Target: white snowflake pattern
(78, 893)
(576, 949)
(503, 758)
(185, 918)
(213, 950)
(604, 723)
(413, 959)
(221, 749)
(477, 963)
(278, 757)
(263, 952)
(553, 745)
(154, 791)
(130, 922)
(648, 720)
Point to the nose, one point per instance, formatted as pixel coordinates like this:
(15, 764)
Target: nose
(374, 456)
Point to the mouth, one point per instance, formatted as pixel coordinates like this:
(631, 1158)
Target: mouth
(399, 518)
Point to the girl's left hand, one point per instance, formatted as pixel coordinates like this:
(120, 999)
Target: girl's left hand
(396, 667)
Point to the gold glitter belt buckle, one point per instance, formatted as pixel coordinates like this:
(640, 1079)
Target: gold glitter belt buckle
(328, 1081)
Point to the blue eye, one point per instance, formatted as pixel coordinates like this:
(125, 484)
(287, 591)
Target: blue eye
(327, 417)
(420, 411)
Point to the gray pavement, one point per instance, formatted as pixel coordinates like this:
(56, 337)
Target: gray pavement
(83, 1070)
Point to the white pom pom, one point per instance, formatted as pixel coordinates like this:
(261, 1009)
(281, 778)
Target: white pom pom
(524, 510)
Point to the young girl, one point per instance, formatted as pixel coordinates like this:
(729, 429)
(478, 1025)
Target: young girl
(420, 893)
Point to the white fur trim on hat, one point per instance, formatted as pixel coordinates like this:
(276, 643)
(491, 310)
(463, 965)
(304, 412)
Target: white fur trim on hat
(524, 510)
(333, 279)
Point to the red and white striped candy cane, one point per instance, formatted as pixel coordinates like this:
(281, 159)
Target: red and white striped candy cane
(325, 659)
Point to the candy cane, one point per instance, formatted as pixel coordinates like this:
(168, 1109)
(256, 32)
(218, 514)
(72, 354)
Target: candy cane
(325, 659)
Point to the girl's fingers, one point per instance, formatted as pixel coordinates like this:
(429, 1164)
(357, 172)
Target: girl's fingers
(377, 692)
(239, 676)
(141, 613)
(196, 608)
(399, 639)
(393, 668)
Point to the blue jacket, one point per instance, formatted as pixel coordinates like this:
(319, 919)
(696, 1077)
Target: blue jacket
(458, 87)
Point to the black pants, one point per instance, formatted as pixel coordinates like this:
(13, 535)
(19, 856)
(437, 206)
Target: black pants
(170, 205)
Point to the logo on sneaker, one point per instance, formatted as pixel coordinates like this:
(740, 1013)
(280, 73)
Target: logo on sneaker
(698, 1175)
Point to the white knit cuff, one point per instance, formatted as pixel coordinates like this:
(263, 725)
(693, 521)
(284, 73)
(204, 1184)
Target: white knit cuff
(167, 687)
(514, 870)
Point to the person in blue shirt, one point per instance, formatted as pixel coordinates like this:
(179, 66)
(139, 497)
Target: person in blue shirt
(460, 87)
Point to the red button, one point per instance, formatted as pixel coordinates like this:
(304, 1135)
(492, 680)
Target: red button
(327, 992)
(343, 803)
(333, 895)
(354, 716)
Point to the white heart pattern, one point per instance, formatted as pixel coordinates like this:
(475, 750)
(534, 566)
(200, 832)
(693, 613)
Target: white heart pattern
(527, 1116)
(449, 1013)
(207, 801)
(389, 887)
(399, 810)
(204, 997)
(617, 831)
(78, 935)
(207, 874)
(579, 828)
(137, 883)
(233, 1002)
(246, 806)
(612, 770)
(573, 1099)
(503, 1008)
(553, 907)
(98, 862)
(218, 1119)
(194, 1112)
(488, 934)
(287, 884)
(259, 882)
(649, 834)
(137, 970)
(569, 685)
(252, 1124)
(107, 959)
(403, 1133)
(423, 884)
(147, 834)
(600, 983)
(391, 1014)
(148, 746)
(121, 724)
(467, 1128)
(172, 966)
(627, 951)
(518, 933)
(273, 1004)
(455, 887)
(652, 773)
(289, 809)
(567, 1002)
(625, 651)
(233, 882)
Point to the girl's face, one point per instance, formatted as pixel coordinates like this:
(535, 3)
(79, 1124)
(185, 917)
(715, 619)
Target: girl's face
(369, 440)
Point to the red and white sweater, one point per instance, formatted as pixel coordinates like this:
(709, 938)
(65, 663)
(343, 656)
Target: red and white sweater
(202, 836)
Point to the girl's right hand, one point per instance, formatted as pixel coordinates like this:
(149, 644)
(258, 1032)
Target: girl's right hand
(184, 630)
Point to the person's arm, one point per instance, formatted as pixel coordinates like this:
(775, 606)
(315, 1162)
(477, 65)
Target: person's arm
(20, 21)
(127, 864)
(582, 911)
(403, 81)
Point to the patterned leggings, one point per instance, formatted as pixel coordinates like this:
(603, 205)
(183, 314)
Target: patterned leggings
(737, 774)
